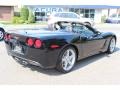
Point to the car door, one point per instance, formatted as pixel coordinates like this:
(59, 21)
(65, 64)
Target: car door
(91, 41)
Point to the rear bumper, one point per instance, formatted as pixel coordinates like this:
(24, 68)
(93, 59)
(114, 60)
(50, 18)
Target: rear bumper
(45, 58)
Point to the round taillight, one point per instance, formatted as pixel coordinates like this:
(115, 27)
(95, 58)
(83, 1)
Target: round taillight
(30, 42)
(7, 37)
(38, 43)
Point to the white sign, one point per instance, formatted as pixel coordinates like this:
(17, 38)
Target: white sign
(48, 9)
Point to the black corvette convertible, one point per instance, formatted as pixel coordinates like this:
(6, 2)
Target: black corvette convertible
(58, 47)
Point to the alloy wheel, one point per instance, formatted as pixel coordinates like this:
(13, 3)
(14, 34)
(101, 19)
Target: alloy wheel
(68, 59)
(1, 35)
(112, 45)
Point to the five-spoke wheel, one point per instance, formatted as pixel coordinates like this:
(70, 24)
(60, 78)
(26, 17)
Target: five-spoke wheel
(112, 45)
(67, 60)
(1, 34)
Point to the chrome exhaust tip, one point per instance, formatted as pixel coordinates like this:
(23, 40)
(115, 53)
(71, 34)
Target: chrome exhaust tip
(24, 62)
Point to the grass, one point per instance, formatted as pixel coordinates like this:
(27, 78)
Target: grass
(10, 23)
(5, 22)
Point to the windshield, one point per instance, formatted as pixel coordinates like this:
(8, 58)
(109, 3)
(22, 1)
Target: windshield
(66, 26)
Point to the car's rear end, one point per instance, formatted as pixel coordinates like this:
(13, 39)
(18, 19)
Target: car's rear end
(32, 49)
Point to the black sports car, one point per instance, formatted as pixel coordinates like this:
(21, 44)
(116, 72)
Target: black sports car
(59, 47)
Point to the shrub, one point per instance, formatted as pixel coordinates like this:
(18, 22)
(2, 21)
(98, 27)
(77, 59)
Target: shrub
(24, 13)
(17, 14)
(17, 20)
(20, 21)
(25, 16)
(103, 18)
(31, 18)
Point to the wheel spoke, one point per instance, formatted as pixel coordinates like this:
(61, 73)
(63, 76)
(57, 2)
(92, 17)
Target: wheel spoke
(1, 34)
(112, 45)
(68, 53)
(64, 64)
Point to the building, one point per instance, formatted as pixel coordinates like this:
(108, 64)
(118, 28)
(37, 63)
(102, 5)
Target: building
(42, 9)
(95, 12)
(7, 9)
(6, 13)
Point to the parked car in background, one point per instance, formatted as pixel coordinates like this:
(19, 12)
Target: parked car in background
(2, 31)
(113, 19)
(68, 16)
(60, 47)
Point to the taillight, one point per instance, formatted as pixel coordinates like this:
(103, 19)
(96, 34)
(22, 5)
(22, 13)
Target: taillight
(30, 42)
(7, 37)
(38, 43)
(54, 46)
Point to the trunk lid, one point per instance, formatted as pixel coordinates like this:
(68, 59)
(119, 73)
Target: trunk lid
(39, 33)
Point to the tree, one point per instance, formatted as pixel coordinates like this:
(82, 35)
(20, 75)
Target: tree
(24, 13)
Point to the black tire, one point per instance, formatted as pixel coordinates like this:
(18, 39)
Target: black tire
(87, 23)
(108, 50)
(59, 66)
(3, 32)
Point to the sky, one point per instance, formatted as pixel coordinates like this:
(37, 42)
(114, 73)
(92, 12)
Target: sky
(60, 2)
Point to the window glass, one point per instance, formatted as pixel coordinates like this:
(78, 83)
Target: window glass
(86, 10)
(42, 13)
(77, 11)
(71, 15)
(83, 30)
(82, 11)
(87, 15)
(71, 9)
(92, 11)
(40, 16)
(91, 15)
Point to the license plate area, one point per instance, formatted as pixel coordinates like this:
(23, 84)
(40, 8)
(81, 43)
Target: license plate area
(17, 47)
